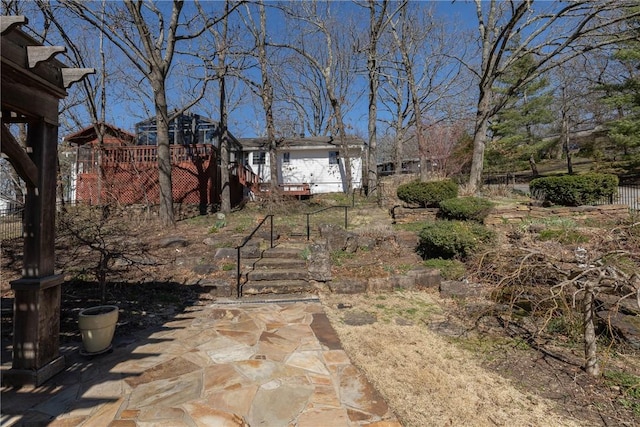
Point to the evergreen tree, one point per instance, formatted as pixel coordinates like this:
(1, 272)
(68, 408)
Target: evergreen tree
(624, 97)
(514, 127)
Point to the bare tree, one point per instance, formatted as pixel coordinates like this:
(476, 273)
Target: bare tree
(430, 76)
(304, 98)
(378, 20)
(396, 102)
(443, 138)
(553, 33)
(264, 89)
(141, 32)
(324, 47)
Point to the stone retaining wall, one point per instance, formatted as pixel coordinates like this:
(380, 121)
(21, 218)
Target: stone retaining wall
(514, 214)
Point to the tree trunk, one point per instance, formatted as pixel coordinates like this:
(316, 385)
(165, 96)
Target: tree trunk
(342, 135)
(164, 152)
(534, 167)
(225, 190)
(372, 171)
(480, 138)
(398, 154)
(592, 366)
(267, 101)
(565, 141)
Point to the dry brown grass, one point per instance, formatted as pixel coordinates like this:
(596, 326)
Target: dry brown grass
(424, 378)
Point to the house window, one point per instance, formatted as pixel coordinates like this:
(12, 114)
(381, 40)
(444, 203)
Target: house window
(286, 157)
(259, 158)
(333, 158)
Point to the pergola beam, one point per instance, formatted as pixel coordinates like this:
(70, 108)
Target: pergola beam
(19, 158)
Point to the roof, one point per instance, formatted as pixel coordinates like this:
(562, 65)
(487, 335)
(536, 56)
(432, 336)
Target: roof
(182, 116)
(300, 143)
(88, 134)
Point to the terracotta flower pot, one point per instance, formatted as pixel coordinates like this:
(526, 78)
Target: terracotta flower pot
(97, 326)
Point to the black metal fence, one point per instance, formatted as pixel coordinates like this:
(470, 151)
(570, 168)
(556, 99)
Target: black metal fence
(11, 223)
(627, 195)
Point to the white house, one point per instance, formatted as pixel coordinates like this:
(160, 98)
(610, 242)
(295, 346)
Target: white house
(316, 162)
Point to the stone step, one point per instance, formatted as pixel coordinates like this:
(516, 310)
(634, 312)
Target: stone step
(282, 252)
(278, 274)
(277, 287)
(280, 263)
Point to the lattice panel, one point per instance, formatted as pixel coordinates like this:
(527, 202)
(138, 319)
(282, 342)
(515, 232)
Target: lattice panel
(137, 183)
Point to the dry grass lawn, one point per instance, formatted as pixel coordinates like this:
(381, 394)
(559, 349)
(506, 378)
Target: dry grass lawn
(424, 378)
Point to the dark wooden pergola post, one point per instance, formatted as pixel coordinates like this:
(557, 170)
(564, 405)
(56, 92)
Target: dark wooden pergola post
(32, 85)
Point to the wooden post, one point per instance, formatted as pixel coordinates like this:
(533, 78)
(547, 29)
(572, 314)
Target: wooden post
(37, 295)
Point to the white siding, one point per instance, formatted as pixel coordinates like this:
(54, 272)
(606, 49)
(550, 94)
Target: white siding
(310, 166)
(261, 170)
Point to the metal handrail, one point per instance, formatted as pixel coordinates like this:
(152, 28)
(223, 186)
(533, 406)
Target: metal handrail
(346, 208)
(244, 242)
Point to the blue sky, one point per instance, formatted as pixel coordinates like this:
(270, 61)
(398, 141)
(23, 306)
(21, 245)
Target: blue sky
(244, 122)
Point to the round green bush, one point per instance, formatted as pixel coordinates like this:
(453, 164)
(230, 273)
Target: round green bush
(427, 194)
(574, 190)
(452, 239)
(465, 209)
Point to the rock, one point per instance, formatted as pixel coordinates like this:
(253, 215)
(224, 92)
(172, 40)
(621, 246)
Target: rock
(419, 277)
(352, 244)
(457, 289)
(625, 326)
(205, 269)
(319, 263)
(218, 288)
(366, 243)
(173, 241)
(379, 284)
(352, 286)
(357, 318)
(425, 277)
(226, 253)
(337, 238)
(613, 302)
(209, 241)
(250, 251)
(135, 260)
(188, 261)
(407, 239)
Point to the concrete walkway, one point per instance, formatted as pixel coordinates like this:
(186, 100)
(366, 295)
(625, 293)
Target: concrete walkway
(226, 364)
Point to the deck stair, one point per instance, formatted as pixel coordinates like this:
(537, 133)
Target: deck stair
(280, 270)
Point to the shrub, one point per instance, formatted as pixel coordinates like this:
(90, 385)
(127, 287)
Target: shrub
(450, 269)
(451, 239)
(465, 208)
(427, 194)
(574, 190)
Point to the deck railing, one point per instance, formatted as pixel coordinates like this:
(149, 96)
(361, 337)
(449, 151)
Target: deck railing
(245, 176)
(149, 153)
(143, 154)
(301, 189)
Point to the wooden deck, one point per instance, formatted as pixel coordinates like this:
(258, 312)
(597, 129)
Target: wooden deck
(302, 189)
(130, 175)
